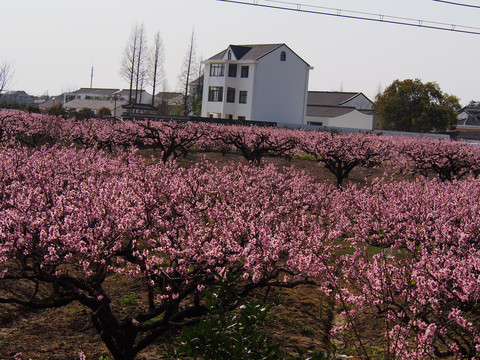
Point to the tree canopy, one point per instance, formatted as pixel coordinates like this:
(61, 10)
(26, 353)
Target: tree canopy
(411, 105)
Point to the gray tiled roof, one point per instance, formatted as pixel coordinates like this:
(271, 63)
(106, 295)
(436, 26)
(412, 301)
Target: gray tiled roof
(248, 52)
(328, 111)
(329, 98)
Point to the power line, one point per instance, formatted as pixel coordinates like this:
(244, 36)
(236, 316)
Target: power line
(458, 4)
(357, 15)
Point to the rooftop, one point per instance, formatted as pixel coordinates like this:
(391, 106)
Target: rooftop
(330, 98)
(250, 52)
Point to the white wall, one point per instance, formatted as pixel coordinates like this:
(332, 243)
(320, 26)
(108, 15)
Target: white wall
(353, 120)
(280, 88)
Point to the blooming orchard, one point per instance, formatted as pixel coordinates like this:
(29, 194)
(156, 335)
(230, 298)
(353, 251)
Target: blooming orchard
(406, 251)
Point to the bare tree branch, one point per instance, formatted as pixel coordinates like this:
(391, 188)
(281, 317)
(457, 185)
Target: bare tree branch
(6, 75)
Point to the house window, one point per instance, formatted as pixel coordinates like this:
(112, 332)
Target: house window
(232, 70)
(230, 95)
(283, 56)
(215, 93)
(217, 70)
(243, 97)
(241, 118)
(229, 55)
(244, 72)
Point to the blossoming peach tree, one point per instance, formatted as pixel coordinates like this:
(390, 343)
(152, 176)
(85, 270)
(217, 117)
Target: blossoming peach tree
(423, 277)
(71, 218)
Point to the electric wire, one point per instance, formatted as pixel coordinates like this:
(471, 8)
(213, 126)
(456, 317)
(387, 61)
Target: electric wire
(458, 4)
(357, 15)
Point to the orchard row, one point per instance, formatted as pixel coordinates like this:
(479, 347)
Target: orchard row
(340, 153)
(407, 252)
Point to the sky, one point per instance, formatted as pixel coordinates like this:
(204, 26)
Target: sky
(53, 44)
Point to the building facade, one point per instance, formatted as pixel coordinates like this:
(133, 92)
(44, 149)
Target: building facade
(256, 82)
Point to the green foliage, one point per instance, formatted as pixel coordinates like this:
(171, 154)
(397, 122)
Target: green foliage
(234, 335)
(226, 334)
(178, 110)
(104, 111)
(411, 105)
(128, 300)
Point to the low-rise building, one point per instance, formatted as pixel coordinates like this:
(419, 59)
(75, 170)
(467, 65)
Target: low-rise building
(16, 97)
(352, 110)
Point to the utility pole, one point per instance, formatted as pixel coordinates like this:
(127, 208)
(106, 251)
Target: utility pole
(91, 78)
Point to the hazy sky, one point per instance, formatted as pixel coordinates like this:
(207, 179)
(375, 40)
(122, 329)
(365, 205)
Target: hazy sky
(52, 44)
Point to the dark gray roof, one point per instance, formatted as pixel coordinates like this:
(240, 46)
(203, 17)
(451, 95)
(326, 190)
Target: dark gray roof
(471, 110)
(251, 52)
(330, 98)
(328, 111)
(248, 52)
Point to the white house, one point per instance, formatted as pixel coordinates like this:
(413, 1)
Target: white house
(266, 82)
(351, 110)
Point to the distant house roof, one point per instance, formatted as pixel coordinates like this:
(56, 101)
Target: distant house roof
(126, 92)
(168, 94)
(15, 92)
(96, 91)
(53, 101)
(18, 96)
(469, 116)
(330, 98)
(328, 111)
(250, 52)
(330, 104)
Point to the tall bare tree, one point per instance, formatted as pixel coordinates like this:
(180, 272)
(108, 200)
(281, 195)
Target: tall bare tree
(141, 61)
(127, 69)
(133, 63)
(6, 75)
(156, 67)
(188, 68)
(197, 91)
